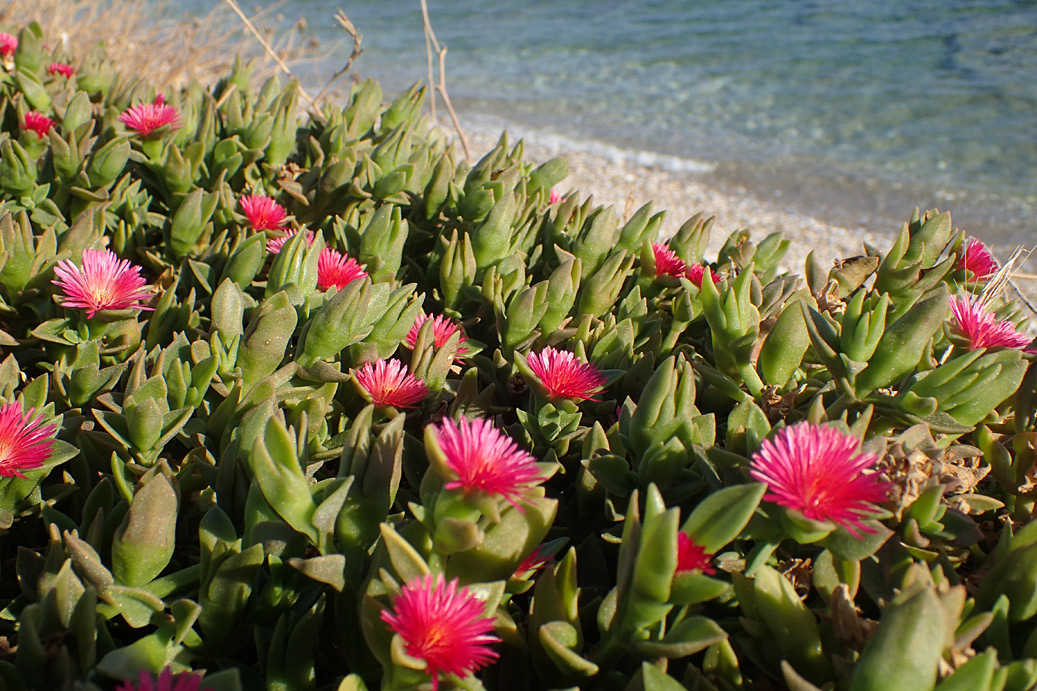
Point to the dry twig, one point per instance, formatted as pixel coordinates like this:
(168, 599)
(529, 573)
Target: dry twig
(432, 43)
(1005, 277)
(358, 38)
(269, 50)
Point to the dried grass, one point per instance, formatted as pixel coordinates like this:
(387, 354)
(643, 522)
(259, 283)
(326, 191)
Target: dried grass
(155, 39)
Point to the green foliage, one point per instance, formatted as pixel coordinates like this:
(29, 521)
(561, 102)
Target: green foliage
(219, 467)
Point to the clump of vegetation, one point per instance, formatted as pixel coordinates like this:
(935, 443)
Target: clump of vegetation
(313, 404)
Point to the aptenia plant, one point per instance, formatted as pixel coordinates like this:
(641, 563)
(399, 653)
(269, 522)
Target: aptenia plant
(310, 403)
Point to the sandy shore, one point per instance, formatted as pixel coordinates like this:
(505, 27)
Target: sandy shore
(627, 180)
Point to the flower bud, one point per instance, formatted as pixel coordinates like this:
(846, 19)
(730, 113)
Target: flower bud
(597, 239)
(457, 270)
(189, 221)
(524, 312)
(382, 241)
(404, 109)
(143, 544)
(246, 261)
(78, 112)
(282, 134)
(17, 243)
(642, 226)
(600, 291)
(438, 187)
(734, 324)
(108, 162)
(547, 175)
(863, 324)
(295, 264)
(65, 156)
(492, 238)
(33, 90)
(29, 53)
(395, 321)
(786, 344)
(345, 319)
(226, 309)
(904, 343)
(264, 342)
(692, 238)
(17, 169)
(562, 287)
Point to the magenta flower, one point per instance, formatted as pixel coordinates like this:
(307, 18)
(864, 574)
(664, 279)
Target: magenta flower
(104, 283)
(442, 329)
(263, 213)
(812, 469)
(25, 444)
(145, 118)
(8, 44)
(38, 123)
(443, 625)
(166, 681)
(555, 197)
(337, 269)
(389, 382)
(982, 329)
(274, 245)
(61, 68)
(667, 263)
(485, 460)
(564, 376)
(978, 261)
(696, 272)
(692, 557)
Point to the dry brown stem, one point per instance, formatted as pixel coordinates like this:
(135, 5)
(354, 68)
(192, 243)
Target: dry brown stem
(268, 48)
(358, 39)
(432, 44)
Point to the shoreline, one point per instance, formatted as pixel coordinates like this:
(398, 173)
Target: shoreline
(627, 180)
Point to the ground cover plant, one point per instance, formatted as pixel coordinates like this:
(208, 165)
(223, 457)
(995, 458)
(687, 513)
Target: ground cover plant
(310, 403)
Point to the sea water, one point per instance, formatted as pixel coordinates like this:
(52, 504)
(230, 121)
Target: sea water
(854, 111)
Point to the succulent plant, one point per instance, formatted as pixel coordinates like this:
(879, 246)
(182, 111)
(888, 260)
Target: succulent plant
(319, 379)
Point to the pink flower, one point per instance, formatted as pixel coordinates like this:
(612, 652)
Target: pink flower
(263, 212)
(692, 557)
(61, 68)
(977, 260)
(485, 460)
(667, 263)
(442, 329)
(145, 118)
(167, 681)
(555, 197)
(982, 329)
(443, 625)
(388, 382)
(24, 443)
(274, 245)
(8, 44)
(812, 469)
(337, 269)
(564, 376)
(696, 272)
(533, 562)
(104, 283)
(38, 123)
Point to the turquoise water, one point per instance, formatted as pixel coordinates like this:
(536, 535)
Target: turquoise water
(856, 111)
